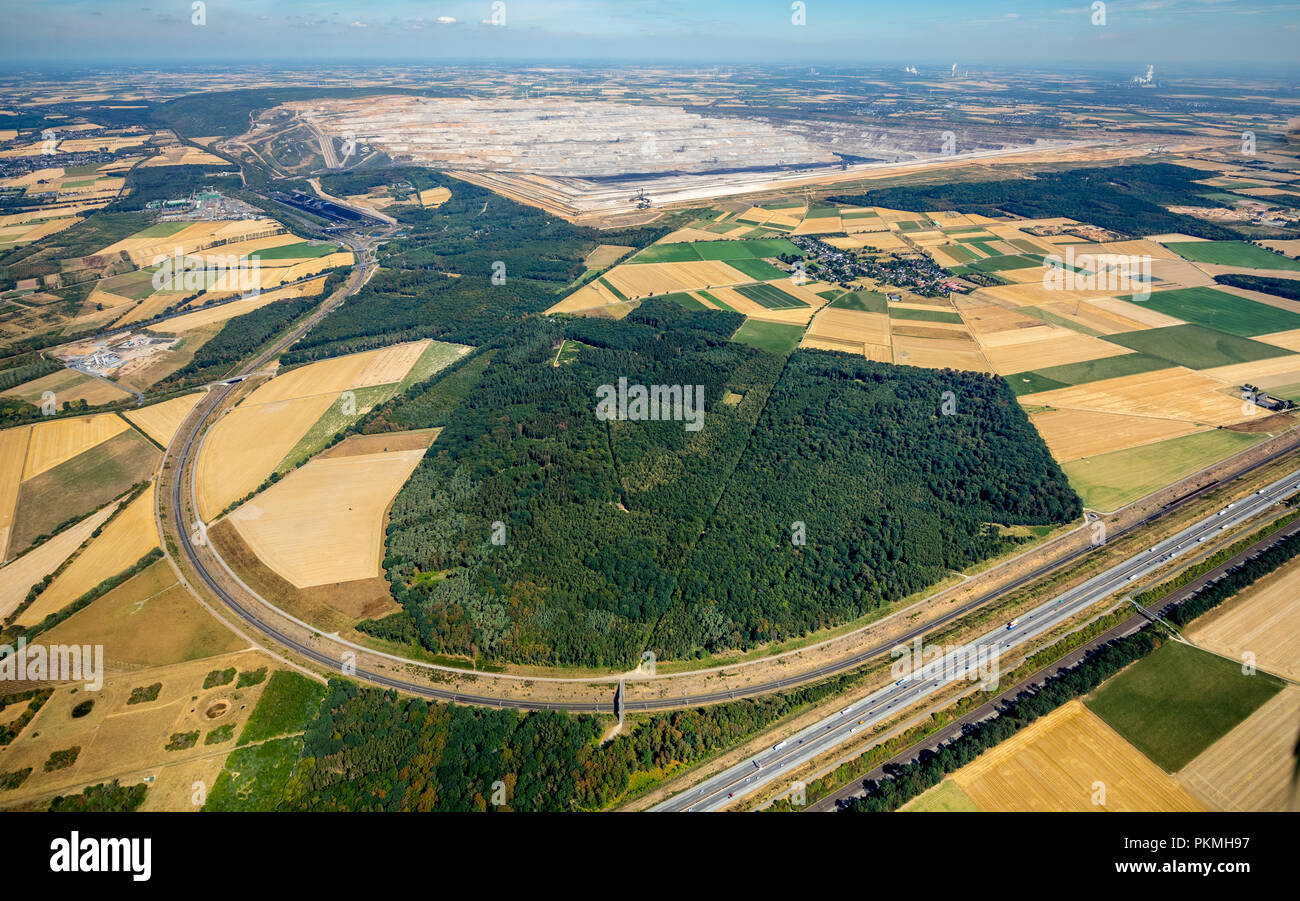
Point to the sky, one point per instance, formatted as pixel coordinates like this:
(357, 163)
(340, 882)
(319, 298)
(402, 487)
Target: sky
(1069, 33)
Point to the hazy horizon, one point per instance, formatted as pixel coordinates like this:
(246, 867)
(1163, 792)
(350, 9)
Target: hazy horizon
(1254, 35)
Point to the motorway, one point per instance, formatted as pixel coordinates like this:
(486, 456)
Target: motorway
(768, 766)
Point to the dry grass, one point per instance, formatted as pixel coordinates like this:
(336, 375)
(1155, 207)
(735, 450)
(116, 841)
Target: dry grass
(149, 620)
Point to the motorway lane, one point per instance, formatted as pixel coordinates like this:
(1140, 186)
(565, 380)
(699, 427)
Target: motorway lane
(745, 777)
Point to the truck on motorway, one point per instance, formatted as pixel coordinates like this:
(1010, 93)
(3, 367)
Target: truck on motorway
(1011, 625)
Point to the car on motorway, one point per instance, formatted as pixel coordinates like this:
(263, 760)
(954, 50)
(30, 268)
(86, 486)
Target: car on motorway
(854, 729)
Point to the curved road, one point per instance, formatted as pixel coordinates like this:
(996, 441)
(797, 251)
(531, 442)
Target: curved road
(244, 608)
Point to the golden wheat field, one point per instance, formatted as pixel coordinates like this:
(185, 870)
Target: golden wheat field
(1072, 434)
(248, 443)
(60, 440)
(160, 421)
(643, 279)
(17, 577)
(1061, 761)
(13, 453)
(131, 535)
(1175, 393)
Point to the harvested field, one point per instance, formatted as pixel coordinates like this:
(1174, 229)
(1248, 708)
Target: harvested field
(126, 539)
(332, 607)
(1024, 349)
(434, 197)
(384, 366)
(69, 385)
(853, 326)
(1251, 767)
(1175, 393)
(606, 255)
(939, 353)
(62, 439)
(222, 312)
(160, 421)
(80, 485)
(249, 442)
(1263, 620)
(1072, 434)
(1055, 763)
(645, 279)
(17, 577)
(323, 523)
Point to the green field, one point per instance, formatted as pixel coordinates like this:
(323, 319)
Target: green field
(1006, 262)
(1081, 373)
(163, 230)
(774, 337)
(717, 303)
(859, 214)
(682, 299)
(913, 225)
(925, 315)
(1179, 700)
(255, 778)
(760, 270)
(287, 705)
(1196, 346)
(436, 357)
(770, 296)
(946, 797)
(958, 252)
(868, 301)
(617, 293)
(300, 251)
(1233, 253)
(1223, 311)
(744, 249)
(1108, 481)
